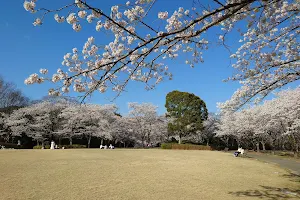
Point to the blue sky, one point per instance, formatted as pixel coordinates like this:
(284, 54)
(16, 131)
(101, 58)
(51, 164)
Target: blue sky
(25, 49)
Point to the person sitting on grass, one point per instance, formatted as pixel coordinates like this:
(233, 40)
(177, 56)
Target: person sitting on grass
(239, 151)
(242, 151)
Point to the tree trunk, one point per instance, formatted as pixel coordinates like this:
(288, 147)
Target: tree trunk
(283, 147)
(207, 142)
(179, 141)
(295, 154)
(7, 138)
(257, 147)
(59, 141)
(143, 142)
(124, 144)
(71, 141)
(227, 142)
(148, 138)
(296, 150)
(264, 146)
(271, 142)
(273, 150)
(37, 143)
(238, 143)
(89, 141)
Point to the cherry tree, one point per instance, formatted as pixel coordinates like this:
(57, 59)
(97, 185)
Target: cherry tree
(288, 111)
(272, 122)
(228, 128)
(122, 130)
(4, 129)
(144, 116)
(268, 127)
(273, 118)
(294, 133)
(39, 121)
(89, 120)
(160, 130)
(111, 117)
(210, 126)
(248, 127)
(268, 57)
(20, 122)
(70, 122)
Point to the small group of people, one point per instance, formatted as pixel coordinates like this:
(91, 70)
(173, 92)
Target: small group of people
(149, 145)
(105, 146)
(54, 146)
(239, 151)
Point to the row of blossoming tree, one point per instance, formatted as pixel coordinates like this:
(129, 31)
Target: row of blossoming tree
(61, 119)
(275, 123)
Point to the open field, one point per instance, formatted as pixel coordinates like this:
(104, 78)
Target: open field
(140, 174)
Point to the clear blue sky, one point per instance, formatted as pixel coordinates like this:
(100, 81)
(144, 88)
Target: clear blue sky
(25, 49)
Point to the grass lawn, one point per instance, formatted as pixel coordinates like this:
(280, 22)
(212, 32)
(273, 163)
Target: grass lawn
(140, 174)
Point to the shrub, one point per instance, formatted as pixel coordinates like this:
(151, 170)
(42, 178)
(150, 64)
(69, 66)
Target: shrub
(185, 146)
(40, 147)
(166, 145)
(10, 145)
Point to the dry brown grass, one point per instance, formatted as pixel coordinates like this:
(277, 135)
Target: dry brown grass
(139, 174)
(185, 146)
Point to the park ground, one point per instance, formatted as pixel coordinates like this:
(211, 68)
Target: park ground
(291, 164)
(141, 174)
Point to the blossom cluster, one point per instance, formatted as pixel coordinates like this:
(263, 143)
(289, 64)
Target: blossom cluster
(30, 6)
(34, 78)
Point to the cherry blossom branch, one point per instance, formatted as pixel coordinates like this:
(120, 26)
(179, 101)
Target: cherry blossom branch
(110, 19)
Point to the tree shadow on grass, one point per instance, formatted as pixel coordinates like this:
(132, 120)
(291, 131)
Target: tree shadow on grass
(293, 177)
(269, 193)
